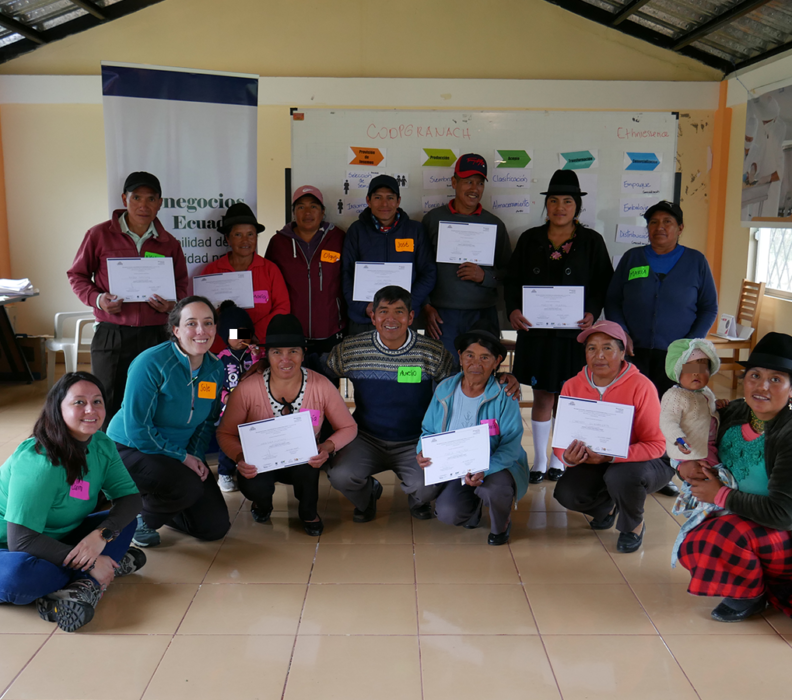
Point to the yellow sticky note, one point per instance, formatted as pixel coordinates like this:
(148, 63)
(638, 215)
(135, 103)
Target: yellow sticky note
(207, 390)
(405, 245)
(330, 256)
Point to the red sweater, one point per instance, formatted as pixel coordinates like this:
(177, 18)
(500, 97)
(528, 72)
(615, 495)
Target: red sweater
(317, 299)
(88, 273)
(269, 294)
(633, 389)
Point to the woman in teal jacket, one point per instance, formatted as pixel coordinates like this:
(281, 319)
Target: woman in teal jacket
(170, 407)
(470, 398)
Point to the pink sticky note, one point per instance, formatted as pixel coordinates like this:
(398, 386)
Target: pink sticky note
(494, 428)
(80, 489)
(260, 296)
(316, 416)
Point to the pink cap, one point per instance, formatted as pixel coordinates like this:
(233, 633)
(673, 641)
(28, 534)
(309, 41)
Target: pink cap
(308, 189)
(611, 328)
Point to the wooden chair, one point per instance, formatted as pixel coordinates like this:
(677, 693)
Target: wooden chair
(748, 310)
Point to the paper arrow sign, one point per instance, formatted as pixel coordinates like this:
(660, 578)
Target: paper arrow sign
(513, 159)
(577, 160)
(642, 161)
(366, 156)
(439, 157)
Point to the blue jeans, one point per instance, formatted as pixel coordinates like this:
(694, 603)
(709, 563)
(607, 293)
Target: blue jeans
(458, 321)
(24, 578)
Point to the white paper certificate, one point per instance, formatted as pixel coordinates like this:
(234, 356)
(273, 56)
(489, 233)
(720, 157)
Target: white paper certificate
(370, 277)
(459, 242)
(236, 286)
(553, 307)
(277, 443)
(137, 279)
(604, 427)
(456, 453)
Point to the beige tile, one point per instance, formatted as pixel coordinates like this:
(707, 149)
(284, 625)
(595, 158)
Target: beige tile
(732, 667)
(330, 668)
(195, 668)
(549, 562)
(141, 609)
(461, 563)
(540, 498)
(15, 651)
(473, 609)
(364, 563)
(389, 527)
(561, 528)
(650, 564)
(617, 668)
(282, 528)
(240, 561)
(470, 668)
(393, 499)
(675, 611)
(22, 619)
(250, 608)
(360, 609)
(434, 532)
(780, 622)
(587, 609)
(84, 667)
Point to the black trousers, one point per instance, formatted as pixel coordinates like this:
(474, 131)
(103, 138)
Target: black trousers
(112, 350)
(651, 363)
(593, 489)
(174, 495)
(303, 477)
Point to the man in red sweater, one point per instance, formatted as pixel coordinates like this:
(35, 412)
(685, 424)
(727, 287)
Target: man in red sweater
(125, 329)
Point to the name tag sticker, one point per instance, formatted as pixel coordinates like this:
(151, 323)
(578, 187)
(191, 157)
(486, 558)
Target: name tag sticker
(315, 416)
(409, 375)
(149, 254)
(330, 256)
(405, 245)
(207, 390)
(80, 489)
(260, 296)
(494, 428)
(638, 272)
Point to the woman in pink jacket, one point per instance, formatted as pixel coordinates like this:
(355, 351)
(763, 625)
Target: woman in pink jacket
(611, 488)
(278, 386)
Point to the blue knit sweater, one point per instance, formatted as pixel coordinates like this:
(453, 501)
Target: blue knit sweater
(655, 311)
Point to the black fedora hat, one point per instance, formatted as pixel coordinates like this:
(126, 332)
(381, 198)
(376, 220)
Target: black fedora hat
(239, 213)
(774, 351)
(285, 331)
(564, 182)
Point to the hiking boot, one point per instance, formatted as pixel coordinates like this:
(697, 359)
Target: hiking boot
(71, 607)
(144, 535)
(132, 561)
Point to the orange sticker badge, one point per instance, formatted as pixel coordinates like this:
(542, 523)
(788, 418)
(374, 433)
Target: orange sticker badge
(405, 245)
(207, 390)
(330, 256)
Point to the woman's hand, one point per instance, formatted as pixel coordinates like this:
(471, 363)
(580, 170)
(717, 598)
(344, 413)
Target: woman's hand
(248, 471)
(706, 490)
(575, 454)
(474, 480)
(692, 470)
(586, 322)
(104, 571)
(86, 551)
(596, 458)
(423, 462)
(192, 462)
(518, 321)
(325, 450)
(433, 321)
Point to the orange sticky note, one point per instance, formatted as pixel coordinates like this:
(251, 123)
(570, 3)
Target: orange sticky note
(207, 390)
(330, 256)
(405, 245)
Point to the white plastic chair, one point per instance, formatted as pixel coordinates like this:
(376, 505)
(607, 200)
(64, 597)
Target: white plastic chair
(71, 345)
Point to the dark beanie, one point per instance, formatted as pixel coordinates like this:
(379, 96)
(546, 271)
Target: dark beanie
(285, 331)
(231, 316)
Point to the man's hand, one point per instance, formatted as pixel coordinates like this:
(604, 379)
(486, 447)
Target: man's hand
(512, 385)
(474, 480)
(470, 272)
(110, 303)
(432, 321)
(518, 321)
(157, 303)
(586, 321)
(423, 462)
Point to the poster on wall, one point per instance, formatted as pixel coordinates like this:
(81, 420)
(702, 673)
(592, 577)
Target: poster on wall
(767, 161)
(194, 130)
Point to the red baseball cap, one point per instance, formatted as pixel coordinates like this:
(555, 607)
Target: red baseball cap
(308, 189)
(471, 164)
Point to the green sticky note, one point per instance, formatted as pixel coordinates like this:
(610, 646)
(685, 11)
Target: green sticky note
(149, 254)
(637, 272)
(409, 375)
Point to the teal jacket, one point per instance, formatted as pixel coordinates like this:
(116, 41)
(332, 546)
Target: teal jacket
(506, 450)
(164, 410)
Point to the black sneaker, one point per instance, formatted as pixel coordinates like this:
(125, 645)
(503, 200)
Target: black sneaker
(629, 542)
(71, 607)
(736, 610)
(134, 560)
(363, 516)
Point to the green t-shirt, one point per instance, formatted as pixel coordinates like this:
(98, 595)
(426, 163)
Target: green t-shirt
(34, 493)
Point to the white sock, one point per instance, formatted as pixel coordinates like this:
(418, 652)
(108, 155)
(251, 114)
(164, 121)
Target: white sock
(556, 463)
(541, 435)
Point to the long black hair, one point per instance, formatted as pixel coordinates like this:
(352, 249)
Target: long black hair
(53, 438)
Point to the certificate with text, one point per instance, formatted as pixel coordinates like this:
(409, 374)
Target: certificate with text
(370, 277)
(460, 242)
(277, 443)
(553, 307)
(217, 288)
(605, 428)
(138, 279)
(456, 453)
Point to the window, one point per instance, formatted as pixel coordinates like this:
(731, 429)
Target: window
(773, 260)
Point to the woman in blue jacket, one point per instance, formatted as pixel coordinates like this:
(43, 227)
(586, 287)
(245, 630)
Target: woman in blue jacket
(470, 398)
(170, 407)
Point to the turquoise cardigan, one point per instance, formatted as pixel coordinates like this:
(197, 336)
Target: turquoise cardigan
(506, 450)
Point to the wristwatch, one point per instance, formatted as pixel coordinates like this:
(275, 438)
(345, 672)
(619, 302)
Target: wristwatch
(107, 534)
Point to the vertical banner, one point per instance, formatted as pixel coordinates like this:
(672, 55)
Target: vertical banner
(194, 130)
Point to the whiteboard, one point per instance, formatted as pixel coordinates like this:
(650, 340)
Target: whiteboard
(327, 142)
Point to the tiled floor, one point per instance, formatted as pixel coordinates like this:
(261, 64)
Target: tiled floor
(397, 609)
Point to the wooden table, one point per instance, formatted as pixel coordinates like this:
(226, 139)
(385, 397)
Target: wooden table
(8, 341)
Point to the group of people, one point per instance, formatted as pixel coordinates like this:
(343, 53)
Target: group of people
(136, 432)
